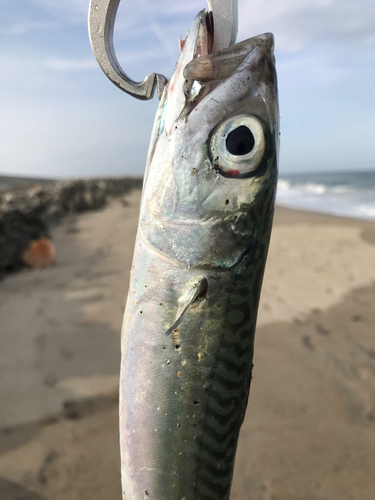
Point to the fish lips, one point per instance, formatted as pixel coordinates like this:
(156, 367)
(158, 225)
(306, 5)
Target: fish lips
(200, 38)
(220, 65)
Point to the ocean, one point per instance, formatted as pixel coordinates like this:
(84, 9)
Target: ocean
(349, 194)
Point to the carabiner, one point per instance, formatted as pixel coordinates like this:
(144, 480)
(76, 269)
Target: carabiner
(102, 16)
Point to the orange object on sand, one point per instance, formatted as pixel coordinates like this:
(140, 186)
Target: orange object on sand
(40, 253)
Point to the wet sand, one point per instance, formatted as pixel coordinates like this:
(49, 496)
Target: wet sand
(309, 432)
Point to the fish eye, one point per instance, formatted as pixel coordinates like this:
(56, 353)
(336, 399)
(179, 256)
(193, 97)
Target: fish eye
(237, 146)
(240, 141)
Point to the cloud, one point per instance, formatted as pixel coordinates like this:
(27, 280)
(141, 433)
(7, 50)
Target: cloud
(37, 78)
(61, 116)
(60, 64)
(23, 27)
(312, 70)
(163, 38)
(75, 137)
(66, 64)
(296, 23)
(138, 11)
(299, 23)
(75, 9)
(185, 7)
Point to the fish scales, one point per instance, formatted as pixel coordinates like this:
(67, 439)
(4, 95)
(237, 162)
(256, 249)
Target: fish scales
(200, 253)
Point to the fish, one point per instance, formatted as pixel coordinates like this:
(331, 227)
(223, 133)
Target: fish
(200, 253)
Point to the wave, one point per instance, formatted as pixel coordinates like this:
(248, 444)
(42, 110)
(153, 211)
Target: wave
(311, 187)
(332, 198)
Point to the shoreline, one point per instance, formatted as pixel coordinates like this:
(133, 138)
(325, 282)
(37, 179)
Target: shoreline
(16, 183)
(328, 214)
(322, 217)
(310, 420)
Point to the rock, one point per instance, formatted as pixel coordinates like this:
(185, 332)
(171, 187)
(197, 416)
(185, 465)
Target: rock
(40, 253)
(17, 230)
(26, 213)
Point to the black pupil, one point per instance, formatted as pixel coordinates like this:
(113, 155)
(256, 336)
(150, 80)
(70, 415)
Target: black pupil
(240, 141)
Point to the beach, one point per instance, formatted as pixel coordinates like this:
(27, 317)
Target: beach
(309, 430)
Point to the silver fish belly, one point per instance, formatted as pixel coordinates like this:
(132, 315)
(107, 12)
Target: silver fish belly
(201, 248)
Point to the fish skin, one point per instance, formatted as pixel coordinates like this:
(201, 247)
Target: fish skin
(199, 259)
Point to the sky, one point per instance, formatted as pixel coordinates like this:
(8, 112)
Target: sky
(61, 117)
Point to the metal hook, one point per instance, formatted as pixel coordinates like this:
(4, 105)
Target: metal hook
(102, 16)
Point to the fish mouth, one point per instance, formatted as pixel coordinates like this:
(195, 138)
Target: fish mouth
(205, 38)
(198, 43)
(220, 65)
(204, 35)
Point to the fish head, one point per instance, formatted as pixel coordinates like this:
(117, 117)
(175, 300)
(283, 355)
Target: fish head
(211, 175)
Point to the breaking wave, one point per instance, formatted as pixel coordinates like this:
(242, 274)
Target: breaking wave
(349, 194)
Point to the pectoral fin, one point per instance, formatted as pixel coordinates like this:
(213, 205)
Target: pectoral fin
(190, 298)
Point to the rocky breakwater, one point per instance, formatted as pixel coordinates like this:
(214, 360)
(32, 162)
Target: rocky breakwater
(28, 212)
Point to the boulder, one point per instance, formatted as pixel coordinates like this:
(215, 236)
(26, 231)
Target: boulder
(17, 230)
(27, 212)
(39, 254)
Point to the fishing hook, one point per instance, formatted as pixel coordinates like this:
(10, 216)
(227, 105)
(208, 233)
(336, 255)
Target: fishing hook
(102, 16)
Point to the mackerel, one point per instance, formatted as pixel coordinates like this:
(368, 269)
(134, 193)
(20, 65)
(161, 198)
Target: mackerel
(200, 253)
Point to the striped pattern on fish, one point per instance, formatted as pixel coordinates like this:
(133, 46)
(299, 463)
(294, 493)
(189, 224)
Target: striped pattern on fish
(229, 389)
(200, 253)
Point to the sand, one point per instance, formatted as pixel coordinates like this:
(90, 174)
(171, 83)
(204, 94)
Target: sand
(309, 432)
